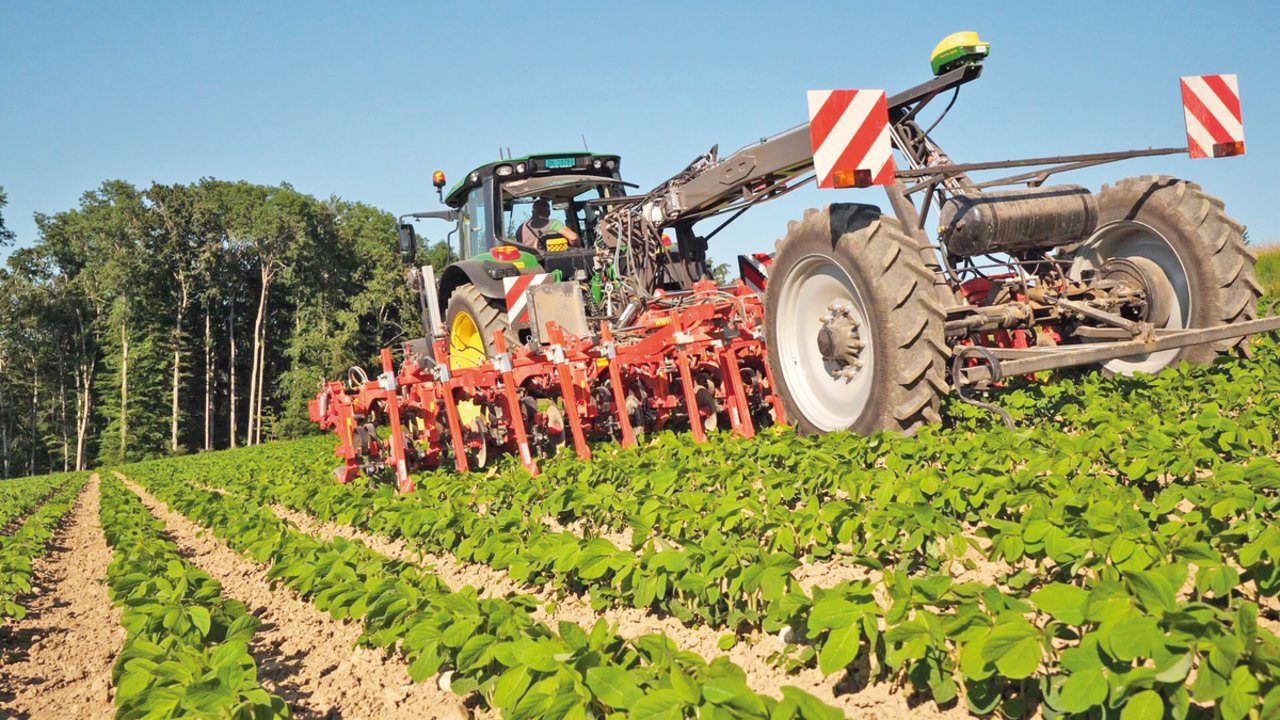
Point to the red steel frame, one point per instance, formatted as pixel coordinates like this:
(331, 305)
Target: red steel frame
(681, 344)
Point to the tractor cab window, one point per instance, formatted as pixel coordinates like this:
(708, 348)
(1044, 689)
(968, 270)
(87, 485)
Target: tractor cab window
(518, 211)
(474, 223)
(515, 213)
(568, 205)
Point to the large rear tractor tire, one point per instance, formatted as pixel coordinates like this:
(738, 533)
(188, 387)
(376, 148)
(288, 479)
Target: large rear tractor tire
(854, 328)
(471, 320)
(1181, 234)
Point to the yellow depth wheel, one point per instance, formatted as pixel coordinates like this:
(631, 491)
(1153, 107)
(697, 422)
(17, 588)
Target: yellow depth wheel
(466, 350)
(466, 346)
(472, 320)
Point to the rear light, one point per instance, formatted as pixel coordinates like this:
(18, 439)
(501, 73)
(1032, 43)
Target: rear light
(505, 253)
(1228, 149)
(860, 178)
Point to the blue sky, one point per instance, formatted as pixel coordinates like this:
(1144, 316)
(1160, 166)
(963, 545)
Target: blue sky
(364, 100)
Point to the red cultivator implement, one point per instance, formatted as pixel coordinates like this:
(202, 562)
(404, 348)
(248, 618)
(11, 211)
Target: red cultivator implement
(690, 359)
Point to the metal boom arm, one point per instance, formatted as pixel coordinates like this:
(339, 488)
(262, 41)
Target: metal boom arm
(766, 167)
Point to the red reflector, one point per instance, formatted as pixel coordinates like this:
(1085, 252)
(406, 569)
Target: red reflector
(1228, 149)
(505, 253)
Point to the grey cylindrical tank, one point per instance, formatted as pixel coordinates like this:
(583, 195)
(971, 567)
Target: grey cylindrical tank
(1019, 220)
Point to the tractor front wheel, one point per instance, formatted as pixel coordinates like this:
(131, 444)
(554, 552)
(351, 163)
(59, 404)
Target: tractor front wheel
(855, 332)
(471, 320)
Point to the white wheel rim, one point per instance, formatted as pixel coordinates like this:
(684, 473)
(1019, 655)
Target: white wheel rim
(826, 401)
(1127, 239)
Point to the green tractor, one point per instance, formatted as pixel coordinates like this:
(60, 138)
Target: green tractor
(508, 240)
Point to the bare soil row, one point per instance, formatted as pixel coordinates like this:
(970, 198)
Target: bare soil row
(304, 655)
(56, 661)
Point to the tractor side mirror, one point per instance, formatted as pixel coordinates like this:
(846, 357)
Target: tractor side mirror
(408, 244)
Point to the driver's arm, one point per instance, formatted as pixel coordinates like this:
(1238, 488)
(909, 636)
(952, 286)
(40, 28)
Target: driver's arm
(565, 232)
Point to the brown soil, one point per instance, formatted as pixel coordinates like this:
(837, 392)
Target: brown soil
(852, 692)
(624, 538)
(303, 655)
(57, 660)
(828, 573)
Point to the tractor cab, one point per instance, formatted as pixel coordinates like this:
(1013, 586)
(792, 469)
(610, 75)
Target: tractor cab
(495, 200)
(490, 204)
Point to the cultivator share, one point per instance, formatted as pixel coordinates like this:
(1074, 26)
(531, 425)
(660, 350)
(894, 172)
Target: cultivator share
(582, 312)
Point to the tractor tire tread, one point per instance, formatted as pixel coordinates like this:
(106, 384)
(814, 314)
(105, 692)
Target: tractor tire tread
(906, 312)
(1235, 289)
(488, 314)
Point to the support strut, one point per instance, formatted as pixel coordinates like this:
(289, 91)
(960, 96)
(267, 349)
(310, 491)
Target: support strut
(619, 396)
(513, 403)
(735, 397)
(690, 397)
(568, 392)
(387, 380)
(451, 408)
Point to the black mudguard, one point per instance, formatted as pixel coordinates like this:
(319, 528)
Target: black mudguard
(470, 272)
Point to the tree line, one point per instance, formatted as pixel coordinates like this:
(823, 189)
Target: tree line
(176, 318)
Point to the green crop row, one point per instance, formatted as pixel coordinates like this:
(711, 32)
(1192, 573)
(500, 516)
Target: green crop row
(492, 645)
(1019, 493)
(725, 581)
(186, 651)
(19, 495)
(1115, 479)
(19, 550)
(794, 495)
(936, 630)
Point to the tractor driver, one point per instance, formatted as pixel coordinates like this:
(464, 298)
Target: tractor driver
(535, 231)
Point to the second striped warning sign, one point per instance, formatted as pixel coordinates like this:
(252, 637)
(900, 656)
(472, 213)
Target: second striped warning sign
(1215, 127)
(517, 295)
(849, 132)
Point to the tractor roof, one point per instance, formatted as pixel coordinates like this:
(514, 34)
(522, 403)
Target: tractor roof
(541, 165)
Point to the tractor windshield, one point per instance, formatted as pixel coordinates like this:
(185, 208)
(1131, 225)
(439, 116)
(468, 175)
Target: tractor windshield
(568, 197)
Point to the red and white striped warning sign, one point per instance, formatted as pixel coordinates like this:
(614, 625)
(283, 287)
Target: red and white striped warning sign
(1215, 127)
(849, 130)
(516, 290)
(754, 270)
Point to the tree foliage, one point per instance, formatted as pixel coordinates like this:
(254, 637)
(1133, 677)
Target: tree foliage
(6, 235)
(172, 318)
